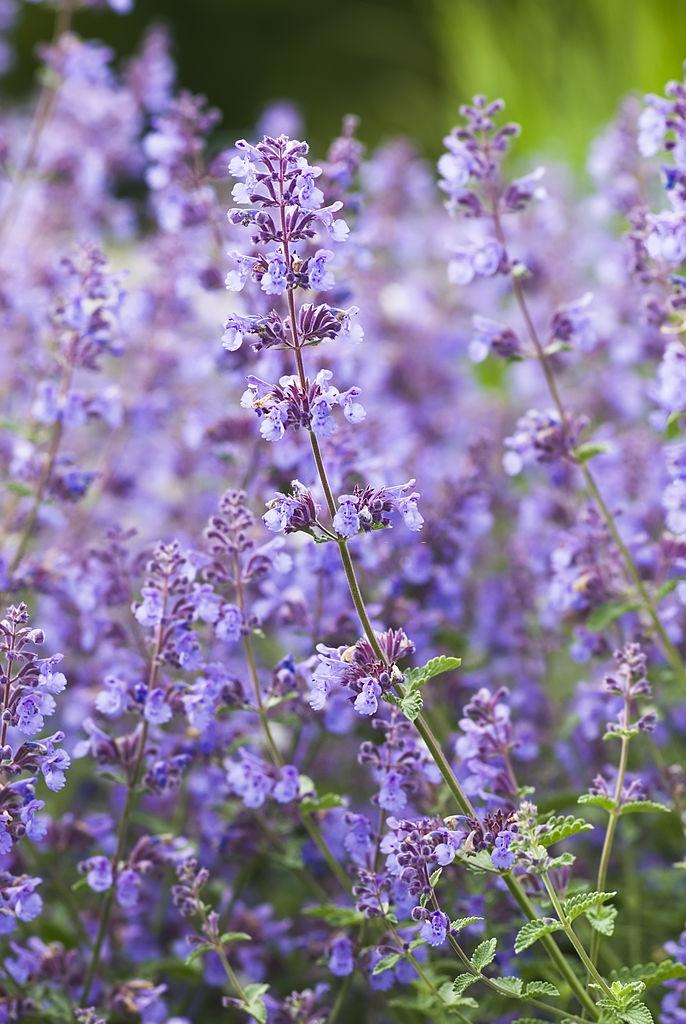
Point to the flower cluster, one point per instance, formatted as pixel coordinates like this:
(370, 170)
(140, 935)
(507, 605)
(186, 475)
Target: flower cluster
(338, 751)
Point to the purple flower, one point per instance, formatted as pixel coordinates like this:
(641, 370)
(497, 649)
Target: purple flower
(156, 710)
(128, 888)
(366, 702)
(435, 928)
(287, 786)
(98, 872)
(341, 962)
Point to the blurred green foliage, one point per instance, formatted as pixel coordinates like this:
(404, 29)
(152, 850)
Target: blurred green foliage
(404, 65)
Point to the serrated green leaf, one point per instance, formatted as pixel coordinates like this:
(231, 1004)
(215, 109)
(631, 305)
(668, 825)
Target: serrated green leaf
(535, 930)
(462, 983)
(541, 988)
(596, 800)
(652, 974)
(565, 860)
(337, 917)
(638, 1014)
(562, 827)
(386, 963)
(605, 614)
(602, 919)
(579, 904)
(511, 986)
(410, 704)
(463, 922)
(415, 678)
(256, 1009)
(589, 450)
(484, 954)
(255, 989)
(643, 807)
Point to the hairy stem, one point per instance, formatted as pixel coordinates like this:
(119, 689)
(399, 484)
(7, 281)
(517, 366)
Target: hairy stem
(574, 939)
(129, 805)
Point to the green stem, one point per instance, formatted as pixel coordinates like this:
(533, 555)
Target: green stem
(308, 824)
(504, 993)
(573, 938)
(122, 835)
(422, 726)
(551, 947)
(613, 821)
(131, 799)
(231, 974)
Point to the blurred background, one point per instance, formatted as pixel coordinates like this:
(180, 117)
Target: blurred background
(402, 65)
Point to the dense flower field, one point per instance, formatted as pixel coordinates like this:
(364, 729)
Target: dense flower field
(343, 555)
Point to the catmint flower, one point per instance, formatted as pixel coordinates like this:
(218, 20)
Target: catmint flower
(290, 513)
(156, 709)
(229, 625)
(366, 702)
(287, 787)
(359, 669)
(574, 324)
(435, 928)
(502, 857)
(128, 888)
(341, 962)
(250, 779)
(541, 438)
(490, 336)
(98, 872)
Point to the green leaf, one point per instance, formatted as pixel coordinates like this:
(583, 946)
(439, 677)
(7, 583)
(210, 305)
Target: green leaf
(595, 800)
(386, 963)
(602, 919)
(590, 449)
(415, 678)
(479, 862)
(578, 905)
(21, 490)
(511, 986)
(643, 807)
(535, 930)
(435, 877)
(410, 704)
(562, 827)
(638, 1014)
(605, 614)
(484, 954)
(196, 953)
(462, 983)
(325, 802)
(337, 917)
(463, 922)
(652, 974)
(541, 988)
(228, 937)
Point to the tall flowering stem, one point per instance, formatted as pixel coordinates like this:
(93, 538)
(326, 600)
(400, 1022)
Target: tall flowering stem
(132, 794)
(670, 651)
(279, 185)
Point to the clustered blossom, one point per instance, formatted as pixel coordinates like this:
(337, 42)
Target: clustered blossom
(360, 670)
(290, 405)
